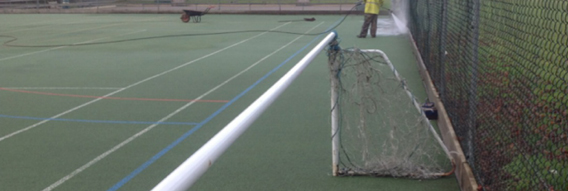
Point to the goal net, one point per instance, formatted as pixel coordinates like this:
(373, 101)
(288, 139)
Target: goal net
(378, 128)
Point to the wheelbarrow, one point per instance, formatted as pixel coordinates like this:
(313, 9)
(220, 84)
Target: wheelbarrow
(188, 15)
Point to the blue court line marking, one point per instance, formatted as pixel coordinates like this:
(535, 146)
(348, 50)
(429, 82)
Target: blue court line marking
(197, 127)
(98, 121)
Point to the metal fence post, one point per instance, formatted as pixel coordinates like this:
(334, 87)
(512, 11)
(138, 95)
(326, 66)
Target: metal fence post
(427, 44)
(442, 53)
(472, 100)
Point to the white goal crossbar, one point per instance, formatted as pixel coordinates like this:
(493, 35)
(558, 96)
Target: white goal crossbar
(189, 171)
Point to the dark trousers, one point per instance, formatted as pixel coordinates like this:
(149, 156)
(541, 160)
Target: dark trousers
(370, 19)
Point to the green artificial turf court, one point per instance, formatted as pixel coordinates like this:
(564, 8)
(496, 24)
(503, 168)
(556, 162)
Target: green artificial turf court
(141, 93)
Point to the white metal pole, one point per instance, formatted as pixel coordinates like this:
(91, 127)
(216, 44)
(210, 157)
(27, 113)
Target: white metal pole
(334, 116)
(334, 129)
(189, 171)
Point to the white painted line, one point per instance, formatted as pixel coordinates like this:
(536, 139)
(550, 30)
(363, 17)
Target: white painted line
(85, 29)
(130, 139)
(51, 24)
(45, 22)
(30, 53)
(132, 85)
(59, 47)
(61, 88)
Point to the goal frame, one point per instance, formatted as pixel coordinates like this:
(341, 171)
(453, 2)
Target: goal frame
(335, 142)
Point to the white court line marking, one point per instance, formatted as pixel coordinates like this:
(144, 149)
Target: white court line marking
(62, 88)
(59, 47)
(81, 30)
(45, 24)
(30, 53)
(51, 24)
(58, 115)
(132, 85)
(130, 139)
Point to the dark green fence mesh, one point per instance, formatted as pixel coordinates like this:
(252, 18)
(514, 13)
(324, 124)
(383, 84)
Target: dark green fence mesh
(501, 68)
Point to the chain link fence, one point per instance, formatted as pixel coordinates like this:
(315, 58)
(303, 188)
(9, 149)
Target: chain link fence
(501, 69)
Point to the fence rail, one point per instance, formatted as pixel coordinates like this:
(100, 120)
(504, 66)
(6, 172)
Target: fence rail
(501, 69)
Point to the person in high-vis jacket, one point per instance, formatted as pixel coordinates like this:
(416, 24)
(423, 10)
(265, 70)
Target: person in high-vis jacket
(371, 15)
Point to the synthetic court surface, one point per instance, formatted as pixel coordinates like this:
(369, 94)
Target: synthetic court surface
(123, 115)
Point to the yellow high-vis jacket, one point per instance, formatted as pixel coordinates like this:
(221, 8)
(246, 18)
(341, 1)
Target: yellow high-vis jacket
(372, 6)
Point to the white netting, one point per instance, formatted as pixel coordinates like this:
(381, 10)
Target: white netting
(381, 130)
